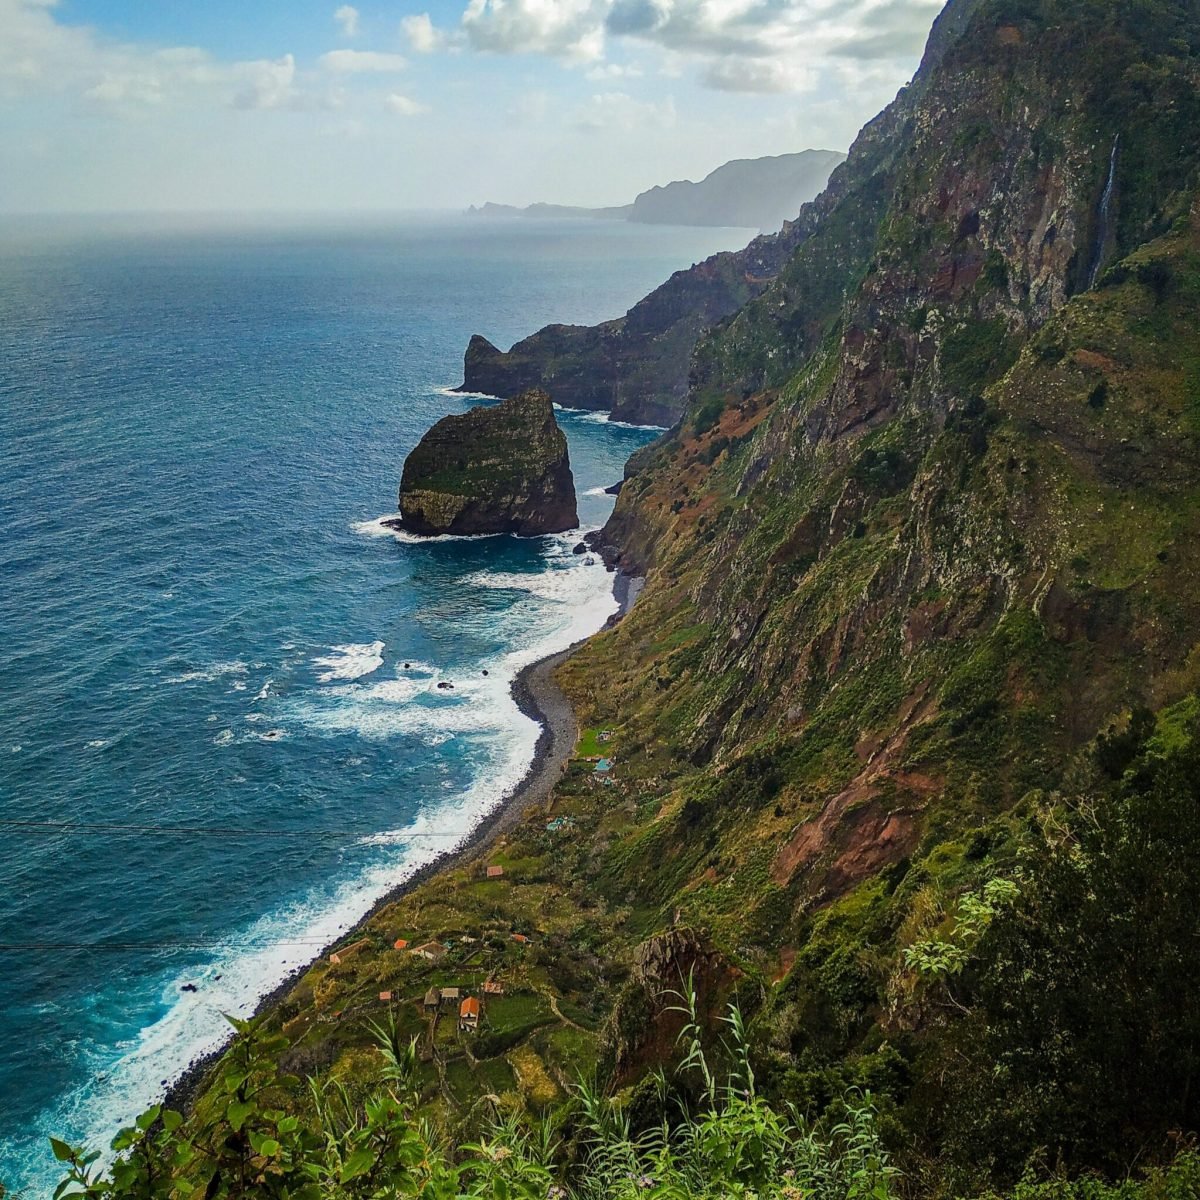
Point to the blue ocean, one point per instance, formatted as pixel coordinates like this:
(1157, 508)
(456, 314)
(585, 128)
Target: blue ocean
(221, 737)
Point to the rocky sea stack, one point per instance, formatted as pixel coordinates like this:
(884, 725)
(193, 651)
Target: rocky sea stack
(497, 469)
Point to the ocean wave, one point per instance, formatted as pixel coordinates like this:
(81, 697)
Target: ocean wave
(236, 976)
(377, 528)
(210, 673)
(596, 491)
(351, 661)
(450, 391)
(603, 418)
(566, 600)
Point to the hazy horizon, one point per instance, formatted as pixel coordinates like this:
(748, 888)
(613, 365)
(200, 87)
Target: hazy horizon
(432, 105)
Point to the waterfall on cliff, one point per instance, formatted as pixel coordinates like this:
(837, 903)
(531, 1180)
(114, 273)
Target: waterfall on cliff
(1102, 216)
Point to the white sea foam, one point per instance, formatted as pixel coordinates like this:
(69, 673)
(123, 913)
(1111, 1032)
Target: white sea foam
(378, 528)
(210, 673)
(97, 744)
(258, 959)
(351, 661)
(596, 491)
(603, 418)
(450, 391)
(265, 691)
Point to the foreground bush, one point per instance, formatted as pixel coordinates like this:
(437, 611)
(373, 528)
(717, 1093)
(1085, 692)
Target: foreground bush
(732, 1145)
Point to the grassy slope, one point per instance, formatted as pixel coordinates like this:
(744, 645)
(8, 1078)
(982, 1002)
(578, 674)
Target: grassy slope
(929, 525)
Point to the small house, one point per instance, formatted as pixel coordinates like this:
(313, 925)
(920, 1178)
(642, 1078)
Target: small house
(451, 996)
(495, 872)
(433, 999)
(603, 766)
(493, 987)
(468, 1015)
(386, 997)
(521, 938)
(400, 944)
(429, 951)
(340, 956)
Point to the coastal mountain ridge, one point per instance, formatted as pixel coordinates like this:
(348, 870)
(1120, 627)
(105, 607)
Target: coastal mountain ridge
(751, 193)
(899, 747)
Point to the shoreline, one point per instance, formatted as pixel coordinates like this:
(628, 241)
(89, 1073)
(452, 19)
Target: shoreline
(538, 696)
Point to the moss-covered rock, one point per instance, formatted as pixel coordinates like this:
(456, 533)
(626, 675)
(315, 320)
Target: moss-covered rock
(500, 469)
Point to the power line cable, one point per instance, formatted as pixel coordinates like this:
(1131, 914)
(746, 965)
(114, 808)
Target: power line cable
(217, 830)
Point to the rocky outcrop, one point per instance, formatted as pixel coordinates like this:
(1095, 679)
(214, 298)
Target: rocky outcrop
(498, 469)
(647, 1018)
(636, 367)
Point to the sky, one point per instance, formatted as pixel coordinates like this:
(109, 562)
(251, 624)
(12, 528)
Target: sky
(282, 105)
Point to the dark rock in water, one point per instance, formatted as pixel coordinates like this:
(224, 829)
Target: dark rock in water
(444, 686)
(495, 469)
(615, 490)
(189, 987)
(485, 672)
(580, 548)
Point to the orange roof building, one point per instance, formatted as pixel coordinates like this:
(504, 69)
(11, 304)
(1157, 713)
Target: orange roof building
(468, 1014)
(495, 872)
(400, 944)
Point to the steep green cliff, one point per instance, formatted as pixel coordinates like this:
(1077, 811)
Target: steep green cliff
(503, 469)
(904, 727)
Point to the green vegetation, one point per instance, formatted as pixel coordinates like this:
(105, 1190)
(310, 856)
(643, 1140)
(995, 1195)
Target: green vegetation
(908, 719)
(730, 1143)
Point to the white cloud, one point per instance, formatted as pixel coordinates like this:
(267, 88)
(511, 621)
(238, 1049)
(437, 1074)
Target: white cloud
(569, 29)
(421, 34)
(353, 62)
(404, 106)
(268, 84)
(347, 19)
(740, 74)
(39, 56)
(734, 45)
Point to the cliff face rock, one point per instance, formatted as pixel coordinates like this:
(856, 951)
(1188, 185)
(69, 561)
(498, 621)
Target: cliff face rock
(503, 469)
(636, 366)
(933, 490)
(646, 1021)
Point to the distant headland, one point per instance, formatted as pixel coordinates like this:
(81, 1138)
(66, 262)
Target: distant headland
(750, 193)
